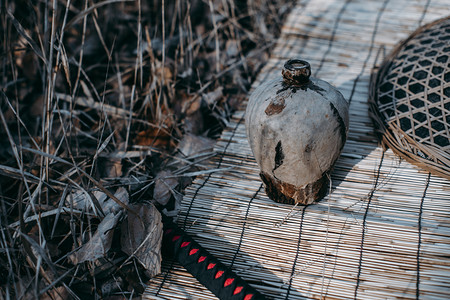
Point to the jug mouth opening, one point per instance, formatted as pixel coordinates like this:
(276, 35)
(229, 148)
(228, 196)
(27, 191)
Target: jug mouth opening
(296, 71)
(296, 64)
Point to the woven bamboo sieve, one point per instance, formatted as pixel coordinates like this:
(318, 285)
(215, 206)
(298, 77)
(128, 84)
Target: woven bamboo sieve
(410, 98)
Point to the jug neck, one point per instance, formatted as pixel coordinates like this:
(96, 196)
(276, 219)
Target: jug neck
(296, 72)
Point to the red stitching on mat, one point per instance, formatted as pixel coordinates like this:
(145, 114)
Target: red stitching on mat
(193, 251)
(201, 258)
(237, 290)
(184, 244)
(175, 238)
(248, 297)
(218, 274)
(228, 282)
(210, 266)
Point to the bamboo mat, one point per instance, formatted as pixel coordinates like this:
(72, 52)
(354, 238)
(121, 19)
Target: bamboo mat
(384, 230)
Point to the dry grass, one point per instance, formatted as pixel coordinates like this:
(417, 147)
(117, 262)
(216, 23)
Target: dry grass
(101, 95)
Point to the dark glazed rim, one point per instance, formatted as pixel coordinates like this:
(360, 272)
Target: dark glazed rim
(296, 71)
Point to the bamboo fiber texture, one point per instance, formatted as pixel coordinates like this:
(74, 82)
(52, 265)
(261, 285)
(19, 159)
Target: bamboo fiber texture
(382, 232)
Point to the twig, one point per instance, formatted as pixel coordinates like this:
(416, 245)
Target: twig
(211, 8)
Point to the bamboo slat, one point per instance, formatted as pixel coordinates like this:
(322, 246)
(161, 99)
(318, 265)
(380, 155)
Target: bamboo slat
(384, 230)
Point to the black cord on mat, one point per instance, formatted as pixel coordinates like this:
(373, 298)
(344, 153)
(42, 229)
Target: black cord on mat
(419, 228)
(296, 254)
(244, 224)
(369, 200)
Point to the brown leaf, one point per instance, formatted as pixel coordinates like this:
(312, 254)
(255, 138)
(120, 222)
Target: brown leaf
(142, 237)
(29, 66)
(25, 35)
(166, 72)
(36, 107)
(212, 97)
(79, 199)
(111, 286)
(194, 120)
(110, 206)
(164, 187)
(155, 137)
(82, 200)
(193, 144)
(55, 293)
(110, 167)
(100, 243)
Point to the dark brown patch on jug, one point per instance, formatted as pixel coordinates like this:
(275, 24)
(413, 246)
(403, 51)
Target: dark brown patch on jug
(275, 106)
(308, 148)
(341, 127)
(279, 155)
(315, 88)
(286, 86)
(304, 87)
(283, 192)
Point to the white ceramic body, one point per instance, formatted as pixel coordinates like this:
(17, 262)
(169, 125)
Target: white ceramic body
(296, 133)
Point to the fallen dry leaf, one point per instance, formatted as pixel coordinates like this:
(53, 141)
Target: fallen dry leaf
(112, 285)
(192, 144)
(155, 137)
(212, 97)
(142, 237)
(164, 187)
(81, 200)
(194, 120)
(110, 167)
(55, 293)
(100, 243)
(110, 206)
